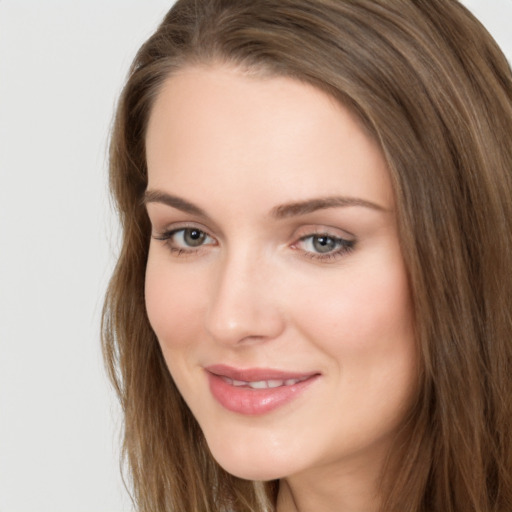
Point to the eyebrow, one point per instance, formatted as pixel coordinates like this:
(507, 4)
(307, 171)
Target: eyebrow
(157, 196)
(278, 212)
(322, 203)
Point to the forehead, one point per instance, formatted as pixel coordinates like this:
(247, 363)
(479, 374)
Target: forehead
(243, 135)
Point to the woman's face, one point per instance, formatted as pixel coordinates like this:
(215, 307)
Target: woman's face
(275, 282)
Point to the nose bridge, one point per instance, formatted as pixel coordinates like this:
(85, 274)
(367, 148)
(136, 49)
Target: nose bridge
(241, 305)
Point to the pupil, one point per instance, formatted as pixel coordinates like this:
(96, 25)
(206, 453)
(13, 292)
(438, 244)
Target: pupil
(194, 237)
(323, 243)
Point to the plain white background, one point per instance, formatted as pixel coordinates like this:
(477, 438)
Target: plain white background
(62, 65)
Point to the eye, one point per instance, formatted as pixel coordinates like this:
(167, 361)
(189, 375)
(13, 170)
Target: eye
(325, 246)
(185, 239)
(323, 243)
(190, 237)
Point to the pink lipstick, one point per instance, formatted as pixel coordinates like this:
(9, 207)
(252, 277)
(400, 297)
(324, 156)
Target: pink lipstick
(256, 390)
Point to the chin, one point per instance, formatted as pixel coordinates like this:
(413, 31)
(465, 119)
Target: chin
(248, 471)
(257, 464)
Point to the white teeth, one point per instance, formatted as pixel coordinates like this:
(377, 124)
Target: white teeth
(262, 384)
(259, 384)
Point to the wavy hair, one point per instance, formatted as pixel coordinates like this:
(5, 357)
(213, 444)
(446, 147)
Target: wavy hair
(435, 91)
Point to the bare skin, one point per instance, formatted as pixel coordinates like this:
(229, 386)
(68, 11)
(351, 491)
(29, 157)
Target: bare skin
(275, 251)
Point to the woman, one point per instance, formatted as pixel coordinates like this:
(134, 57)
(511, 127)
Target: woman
(311, 309)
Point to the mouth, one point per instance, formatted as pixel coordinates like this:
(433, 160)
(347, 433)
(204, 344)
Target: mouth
(263, 384)
(256, 391)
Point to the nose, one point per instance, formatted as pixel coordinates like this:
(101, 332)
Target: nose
(243, 303)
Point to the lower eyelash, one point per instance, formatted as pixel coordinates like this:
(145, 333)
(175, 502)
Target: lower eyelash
(177, 251)
(166, 238)
(346, 248)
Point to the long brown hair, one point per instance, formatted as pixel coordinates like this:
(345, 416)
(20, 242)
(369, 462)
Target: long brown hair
(435, 91)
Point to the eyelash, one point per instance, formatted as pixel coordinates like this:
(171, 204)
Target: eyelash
(342, 245)
(167, 238)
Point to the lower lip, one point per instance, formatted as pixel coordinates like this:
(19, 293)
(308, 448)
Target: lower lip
(251, 402)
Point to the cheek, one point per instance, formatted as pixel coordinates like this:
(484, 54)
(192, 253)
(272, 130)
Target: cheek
(364, 316)
(364, 324)
(173, 302)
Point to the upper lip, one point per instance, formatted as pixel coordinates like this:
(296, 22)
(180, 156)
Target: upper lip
(255, 374)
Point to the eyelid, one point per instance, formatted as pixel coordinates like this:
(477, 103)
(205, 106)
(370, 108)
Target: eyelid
(166, 237)
(177, 226)
(319, 229)
(345, 243)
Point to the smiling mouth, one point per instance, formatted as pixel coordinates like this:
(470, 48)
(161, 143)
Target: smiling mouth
(255, 391)
(263, 384)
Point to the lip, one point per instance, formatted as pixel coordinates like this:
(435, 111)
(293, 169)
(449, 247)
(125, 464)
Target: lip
(243, 399)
